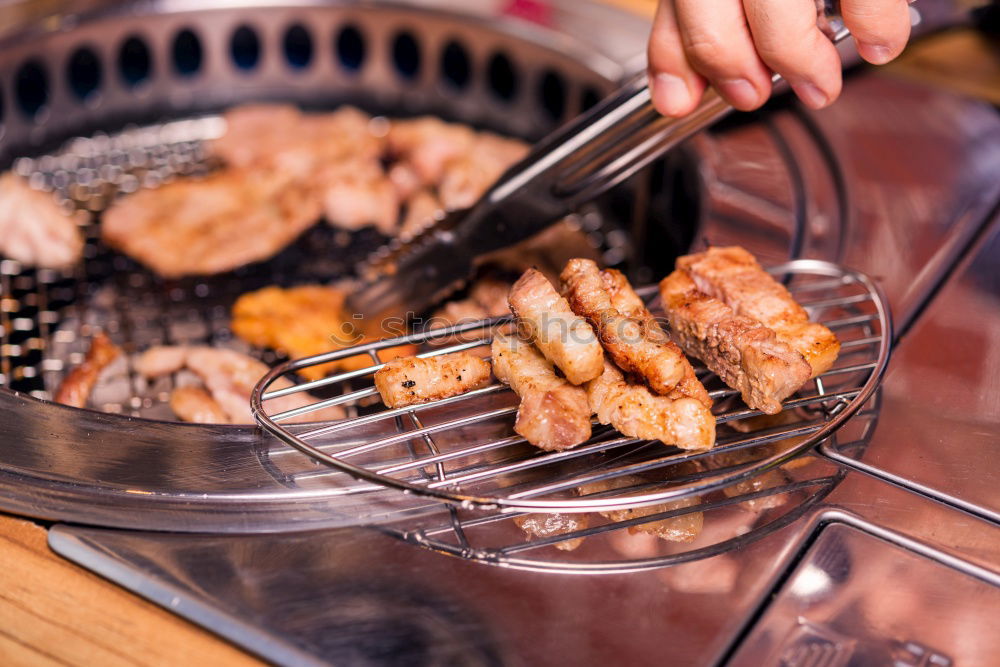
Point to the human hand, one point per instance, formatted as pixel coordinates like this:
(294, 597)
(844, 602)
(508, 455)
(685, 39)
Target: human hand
(732, 45)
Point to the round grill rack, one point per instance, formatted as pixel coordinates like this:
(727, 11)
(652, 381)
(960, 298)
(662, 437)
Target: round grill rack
(462, 450)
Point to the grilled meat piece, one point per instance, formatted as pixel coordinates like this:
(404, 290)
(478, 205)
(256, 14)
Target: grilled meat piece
(427, 144)
(732, 275)
(303, 321)
(623, 298)
(161, 360)
(630, 304)
(194, 404)
(637, 345)
(553, 414)
(412, 380)
(745, 354)
(683, 528)
(76, 386)
(364, 197)
(547, 525)
(467, 177)
(33, 229)
(195, 227)
(229, 376)
(563, 337)
(638, 413)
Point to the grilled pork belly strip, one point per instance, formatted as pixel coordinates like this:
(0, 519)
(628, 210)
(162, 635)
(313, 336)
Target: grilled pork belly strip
(76, 386)
(553, 414)
(732, 275)
(630, 304)
(639, 413)
(745, 354)
(564, 338)
(412, 380)
(636, 345)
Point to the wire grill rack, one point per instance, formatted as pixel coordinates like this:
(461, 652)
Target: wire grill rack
(463, 450)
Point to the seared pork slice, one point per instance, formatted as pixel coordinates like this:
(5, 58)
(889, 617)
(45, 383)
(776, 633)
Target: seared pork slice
(280, 137)
(547, 525)
(194, 404)
(360, 199)
(33, 229)
(639, 413)
(428, 144)
(76, 386)
(412, 380)
(637, 345)
(745, 354)
(630, 304)
(467, 177)
(623, 298)
(564, 338)
(732, 275)
(683, 528)
(229, 376)
(553, 414)
(196, 227)
(422, 209)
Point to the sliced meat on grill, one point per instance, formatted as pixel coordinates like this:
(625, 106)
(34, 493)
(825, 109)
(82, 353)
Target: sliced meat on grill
(161, 360)
(427, 144)
(304, 321)
(76, 386)
(33, 229)
(637, 412)
(549, 524)
(630, 304)
(195, 227)
(467, 177)
(229, 376)
(412, 380)
(745, 354)
(363, 198)
(280, 137)
(553, 413)
(732, 275)
(563, 337)
(194, 404)
(623, 298)
(682, 528)
(637, 345)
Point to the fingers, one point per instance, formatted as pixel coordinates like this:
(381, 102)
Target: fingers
(880, 27)
(675, 86)
(718, 46)
(790, 43)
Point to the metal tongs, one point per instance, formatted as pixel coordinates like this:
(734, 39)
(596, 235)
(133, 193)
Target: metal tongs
(575, 164)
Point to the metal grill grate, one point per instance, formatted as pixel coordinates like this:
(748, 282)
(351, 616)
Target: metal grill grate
(463, 449)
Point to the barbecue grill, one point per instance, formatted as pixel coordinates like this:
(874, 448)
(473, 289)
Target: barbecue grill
(124, 96)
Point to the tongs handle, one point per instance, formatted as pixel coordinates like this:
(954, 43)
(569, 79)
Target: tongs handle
(593, 153)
